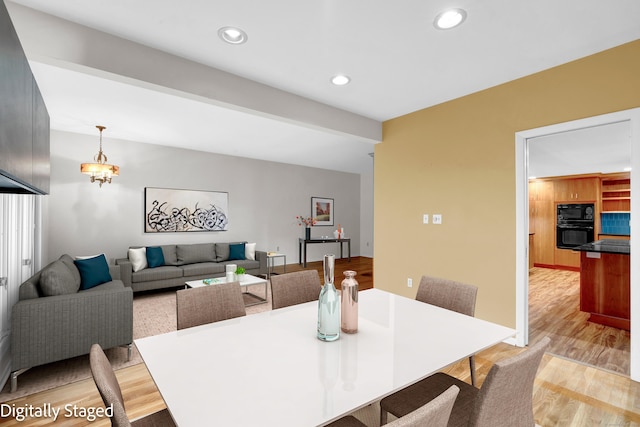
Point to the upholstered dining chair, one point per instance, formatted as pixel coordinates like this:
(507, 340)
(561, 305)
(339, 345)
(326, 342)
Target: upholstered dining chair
(505, 399)
(209, 304)
(109, 389)
(451, 295)
(295, 288)
(433, 414)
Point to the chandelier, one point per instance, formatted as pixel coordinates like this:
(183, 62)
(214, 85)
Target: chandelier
(100, 171)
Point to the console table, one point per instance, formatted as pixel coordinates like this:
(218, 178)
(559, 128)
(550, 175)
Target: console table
(302, 244)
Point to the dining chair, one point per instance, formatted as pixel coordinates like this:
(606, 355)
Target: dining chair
(109, 389)
(435, 413)
(209, 304)
(295, 288)
(451, 295)
(505, 399)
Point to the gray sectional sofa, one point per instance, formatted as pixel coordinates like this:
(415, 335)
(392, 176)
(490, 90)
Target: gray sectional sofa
(185, 262)
(56, 318)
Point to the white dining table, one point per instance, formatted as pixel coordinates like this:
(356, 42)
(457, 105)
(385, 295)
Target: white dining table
(270, 369)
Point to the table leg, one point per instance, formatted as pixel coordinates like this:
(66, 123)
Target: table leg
(349, 249)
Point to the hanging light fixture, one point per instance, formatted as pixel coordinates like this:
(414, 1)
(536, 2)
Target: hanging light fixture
(100, 171)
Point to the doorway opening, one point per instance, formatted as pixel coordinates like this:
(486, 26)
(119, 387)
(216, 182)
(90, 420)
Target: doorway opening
(522, 221)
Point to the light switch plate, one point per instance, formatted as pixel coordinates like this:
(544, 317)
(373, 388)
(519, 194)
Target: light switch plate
(425, 219)
(437, 219)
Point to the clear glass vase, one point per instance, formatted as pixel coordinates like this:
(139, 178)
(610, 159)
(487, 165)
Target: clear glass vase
(349, 304)
(329, 304)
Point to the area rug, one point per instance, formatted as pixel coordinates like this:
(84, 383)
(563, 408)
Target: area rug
(154, 313)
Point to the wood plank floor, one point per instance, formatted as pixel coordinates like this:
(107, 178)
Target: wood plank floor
(554, 311)
(566, 393)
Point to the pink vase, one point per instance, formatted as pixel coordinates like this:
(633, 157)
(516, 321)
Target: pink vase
(349, 304)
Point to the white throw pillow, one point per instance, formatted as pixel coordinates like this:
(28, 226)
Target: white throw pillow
(250, 251)
(138, 258)
(88, 256)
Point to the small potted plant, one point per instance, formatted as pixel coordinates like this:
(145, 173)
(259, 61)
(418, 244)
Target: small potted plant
(240, 271)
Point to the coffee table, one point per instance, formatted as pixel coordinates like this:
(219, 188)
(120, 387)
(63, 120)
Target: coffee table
(247, 280)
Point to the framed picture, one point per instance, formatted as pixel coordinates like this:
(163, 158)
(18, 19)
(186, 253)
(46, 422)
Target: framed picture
(169, 210)
(322, 210)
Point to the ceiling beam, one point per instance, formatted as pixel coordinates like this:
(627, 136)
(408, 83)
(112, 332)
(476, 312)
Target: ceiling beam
(55, 41)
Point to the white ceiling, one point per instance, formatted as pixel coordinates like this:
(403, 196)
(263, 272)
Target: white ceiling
(397, 60)
(604, 149)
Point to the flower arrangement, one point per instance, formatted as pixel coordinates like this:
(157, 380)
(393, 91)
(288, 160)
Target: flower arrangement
(306, 221)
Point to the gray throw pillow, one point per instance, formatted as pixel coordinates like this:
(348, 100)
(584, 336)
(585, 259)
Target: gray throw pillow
(57, 279)
(68, 261)
(222, 252)
(170, 254)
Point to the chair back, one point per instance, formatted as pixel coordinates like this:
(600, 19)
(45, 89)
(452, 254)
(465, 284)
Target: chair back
(295, 288)
(108, 386)
(506, 397)
(448, 294)
(436, 413)
(209, 304)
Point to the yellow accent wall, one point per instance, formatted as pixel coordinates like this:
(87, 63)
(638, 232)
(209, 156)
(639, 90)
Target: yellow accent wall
(458, 159)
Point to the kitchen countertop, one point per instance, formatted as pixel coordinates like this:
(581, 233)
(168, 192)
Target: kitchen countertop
(608, 246)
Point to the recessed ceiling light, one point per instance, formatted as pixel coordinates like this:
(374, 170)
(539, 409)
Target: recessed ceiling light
(232, 35)
(449, 19)
(340, 80)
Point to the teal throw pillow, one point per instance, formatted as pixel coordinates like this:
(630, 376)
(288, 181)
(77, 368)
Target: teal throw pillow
(93, 271)
(236, 251)
(155, 257)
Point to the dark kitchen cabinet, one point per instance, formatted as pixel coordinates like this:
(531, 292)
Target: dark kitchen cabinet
(24, 121)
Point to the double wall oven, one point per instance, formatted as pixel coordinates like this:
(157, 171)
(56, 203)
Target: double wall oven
(575, 225)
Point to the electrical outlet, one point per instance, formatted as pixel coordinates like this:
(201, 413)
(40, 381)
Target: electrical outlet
(425, 219)
(409, 282)
(437, 219)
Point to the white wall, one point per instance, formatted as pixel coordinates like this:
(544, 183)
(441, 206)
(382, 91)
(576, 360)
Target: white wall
(366, 213)
(264, 198)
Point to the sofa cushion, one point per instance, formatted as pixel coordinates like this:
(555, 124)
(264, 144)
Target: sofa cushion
(138, 258)
(155, 257)
(222, 252)
(202, 268)
(244, 263)
(93, 271)
(68, 261)
(236, 251)
(158, 273)
(170, 254)
(198, 252)
(107, 286)
(57, 279)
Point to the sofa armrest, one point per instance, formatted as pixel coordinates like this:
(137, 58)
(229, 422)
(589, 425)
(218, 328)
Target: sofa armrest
(48, 329)
(126, 270)
(262, 257)
(114, 271)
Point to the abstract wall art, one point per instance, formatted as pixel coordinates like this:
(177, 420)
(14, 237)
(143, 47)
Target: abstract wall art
(169, 210)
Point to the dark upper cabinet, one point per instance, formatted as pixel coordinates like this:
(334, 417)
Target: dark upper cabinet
(41, 154)
(24, 121)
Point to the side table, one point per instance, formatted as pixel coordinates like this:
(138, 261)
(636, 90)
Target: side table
(271, 258)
